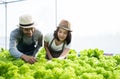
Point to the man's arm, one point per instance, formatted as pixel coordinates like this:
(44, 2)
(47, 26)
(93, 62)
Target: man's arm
(12, 46)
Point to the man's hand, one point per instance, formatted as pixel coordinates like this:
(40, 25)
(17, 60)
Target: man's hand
(29, 59)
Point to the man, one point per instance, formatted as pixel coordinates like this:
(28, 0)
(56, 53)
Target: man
(26, 40)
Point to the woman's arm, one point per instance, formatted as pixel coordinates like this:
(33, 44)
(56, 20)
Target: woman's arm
(47, 50)
(64, 53)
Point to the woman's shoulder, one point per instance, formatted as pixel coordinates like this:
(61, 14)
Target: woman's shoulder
(49, 34)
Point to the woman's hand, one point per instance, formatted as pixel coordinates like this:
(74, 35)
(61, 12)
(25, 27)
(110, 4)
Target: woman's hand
(61, 57)
(29, 59)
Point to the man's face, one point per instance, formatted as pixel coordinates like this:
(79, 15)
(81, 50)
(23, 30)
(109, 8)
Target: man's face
(28, 31)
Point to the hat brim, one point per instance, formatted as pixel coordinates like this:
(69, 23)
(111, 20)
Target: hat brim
(27, 26)
(31, 26)
(65, 28)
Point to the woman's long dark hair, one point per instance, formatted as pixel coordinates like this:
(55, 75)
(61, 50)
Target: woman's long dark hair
(68, 38)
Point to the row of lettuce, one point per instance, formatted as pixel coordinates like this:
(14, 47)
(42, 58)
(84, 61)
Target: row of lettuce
(91, 64)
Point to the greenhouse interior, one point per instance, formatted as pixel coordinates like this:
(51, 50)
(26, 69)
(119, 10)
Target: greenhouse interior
(94, 50)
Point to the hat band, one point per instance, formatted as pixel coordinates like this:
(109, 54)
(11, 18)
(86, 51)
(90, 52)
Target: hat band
(65, 27)
(26, 24)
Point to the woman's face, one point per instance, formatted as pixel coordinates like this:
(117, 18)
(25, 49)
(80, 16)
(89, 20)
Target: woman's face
(62, 34)
(28, 31)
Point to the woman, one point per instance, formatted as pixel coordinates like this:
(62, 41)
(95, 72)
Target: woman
(57, 44)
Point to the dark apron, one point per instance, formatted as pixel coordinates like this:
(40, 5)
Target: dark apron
(54, 53)
(26, 49)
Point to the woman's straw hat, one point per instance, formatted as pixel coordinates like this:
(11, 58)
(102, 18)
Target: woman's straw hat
(65, 25)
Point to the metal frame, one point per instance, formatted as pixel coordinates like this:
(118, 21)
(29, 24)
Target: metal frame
(5, 2)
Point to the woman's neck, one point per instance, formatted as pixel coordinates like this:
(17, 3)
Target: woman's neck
(58, 42)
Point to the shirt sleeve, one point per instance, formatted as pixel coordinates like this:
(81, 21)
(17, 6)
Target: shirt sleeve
(48, 37)
(68, 46)
(12, 45)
